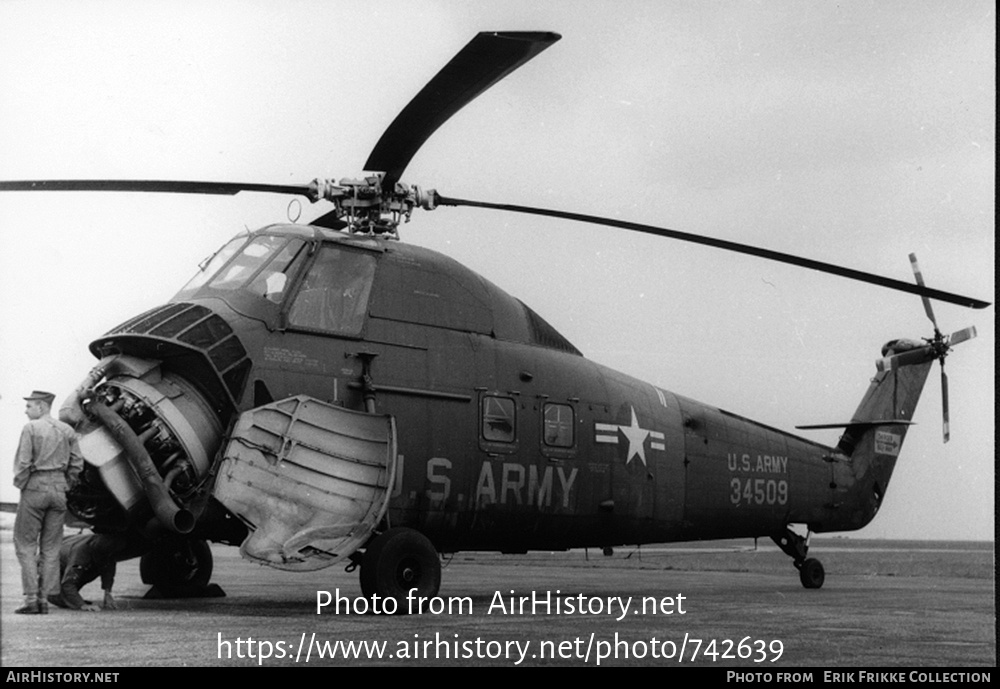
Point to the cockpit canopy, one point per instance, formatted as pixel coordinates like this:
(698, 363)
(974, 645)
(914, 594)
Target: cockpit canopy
(303, 278)
(255, 274)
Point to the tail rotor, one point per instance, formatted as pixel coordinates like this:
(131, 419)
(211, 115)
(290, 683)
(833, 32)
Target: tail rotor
(937, 347)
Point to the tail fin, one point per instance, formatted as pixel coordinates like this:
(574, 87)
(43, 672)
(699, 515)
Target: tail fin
(878, 428)
(874, 437)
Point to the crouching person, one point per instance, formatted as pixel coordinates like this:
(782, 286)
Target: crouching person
(84, 558)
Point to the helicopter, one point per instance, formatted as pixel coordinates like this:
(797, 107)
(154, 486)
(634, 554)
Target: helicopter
(325, 393)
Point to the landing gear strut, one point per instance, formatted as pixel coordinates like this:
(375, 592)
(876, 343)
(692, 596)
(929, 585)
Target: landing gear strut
(811, 572)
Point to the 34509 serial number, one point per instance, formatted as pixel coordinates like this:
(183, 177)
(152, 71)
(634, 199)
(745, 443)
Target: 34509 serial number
(758, 491)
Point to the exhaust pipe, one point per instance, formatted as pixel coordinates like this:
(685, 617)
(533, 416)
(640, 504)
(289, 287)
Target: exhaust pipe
(175, 518)
(71, 411)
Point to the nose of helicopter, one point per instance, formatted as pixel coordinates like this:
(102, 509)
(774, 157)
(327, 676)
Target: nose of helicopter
(150, 416)
(189, 338)
(150, 436)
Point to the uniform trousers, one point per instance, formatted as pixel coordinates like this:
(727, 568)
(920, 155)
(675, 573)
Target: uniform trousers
(38, 533)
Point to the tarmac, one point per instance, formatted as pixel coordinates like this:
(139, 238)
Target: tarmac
(884, 604)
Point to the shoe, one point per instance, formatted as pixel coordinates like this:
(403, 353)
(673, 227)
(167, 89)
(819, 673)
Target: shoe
(43, 608)
(58, 600)
(32, 608)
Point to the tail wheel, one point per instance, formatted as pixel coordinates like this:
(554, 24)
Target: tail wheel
(397, 562)
(811, 573)
(177, 563)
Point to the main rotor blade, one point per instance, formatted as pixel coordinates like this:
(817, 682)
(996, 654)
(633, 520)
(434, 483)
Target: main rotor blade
(167, 186)
(778, 256)
(484, 61)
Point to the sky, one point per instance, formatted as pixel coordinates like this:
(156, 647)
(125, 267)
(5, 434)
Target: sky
(853, 133)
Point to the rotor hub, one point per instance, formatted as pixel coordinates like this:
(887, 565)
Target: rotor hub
(366, 208)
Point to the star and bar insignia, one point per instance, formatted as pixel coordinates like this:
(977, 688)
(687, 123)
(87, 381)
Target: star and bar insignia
(635, 435)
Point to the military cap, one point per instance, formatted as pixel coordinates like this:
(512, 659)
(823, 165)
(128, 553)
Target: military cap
(42, 396)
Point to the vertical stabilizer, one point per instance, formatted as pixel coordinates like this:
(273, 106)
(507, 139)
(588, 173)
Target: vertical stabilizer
(875, 435)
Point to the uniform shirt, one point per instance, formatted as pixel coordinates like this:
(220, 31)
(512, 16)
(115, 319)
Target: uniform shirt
(47, 445)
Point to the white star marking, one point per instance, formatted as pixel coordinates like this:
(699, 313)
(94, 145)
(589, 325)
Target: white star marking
(636, 437)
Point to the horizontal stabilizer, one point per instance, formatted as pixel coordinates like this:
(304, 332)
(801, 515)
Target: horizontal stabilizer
(859, 424)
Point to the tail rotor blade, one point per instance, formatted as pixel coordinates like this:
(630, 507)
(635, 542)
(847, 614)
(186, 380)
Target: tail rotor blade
(914, 356)
(962, 335)
(944, 403)
(920, 281)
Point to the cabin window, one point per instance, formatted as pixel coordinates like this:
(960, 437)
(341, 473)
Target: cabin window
(557, 423)
(334, 294)
(498, 419)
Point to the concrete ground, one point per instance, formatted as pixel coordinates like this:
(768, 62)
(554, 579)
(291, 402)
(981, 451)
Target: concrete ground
(884, 604)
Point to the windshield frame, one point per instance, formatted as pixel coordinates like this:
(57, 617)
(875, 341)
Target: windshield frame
(212, 265)
(284, 251)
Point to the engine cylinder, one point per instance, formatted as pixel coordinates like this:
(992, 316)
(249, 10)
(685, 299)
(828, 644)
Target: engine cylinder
(163, 446)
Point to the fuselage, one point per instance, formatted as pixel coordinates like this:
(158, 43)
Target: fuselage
(508, 438)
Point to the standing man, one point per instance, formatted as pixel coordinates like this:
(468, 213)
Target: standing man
(47, 464)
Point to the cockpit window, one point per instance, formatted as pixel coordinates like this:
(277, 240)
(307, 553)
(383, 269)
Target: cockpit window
(211, 266)
(262, 268)
(253, 256)
(334, 294)
(273, 279)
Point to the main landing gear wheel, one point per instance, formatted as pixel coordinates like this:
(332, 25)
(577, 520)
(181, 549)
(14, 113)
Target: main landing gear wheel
(811, 573)
(398, 561)
(179, 569)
